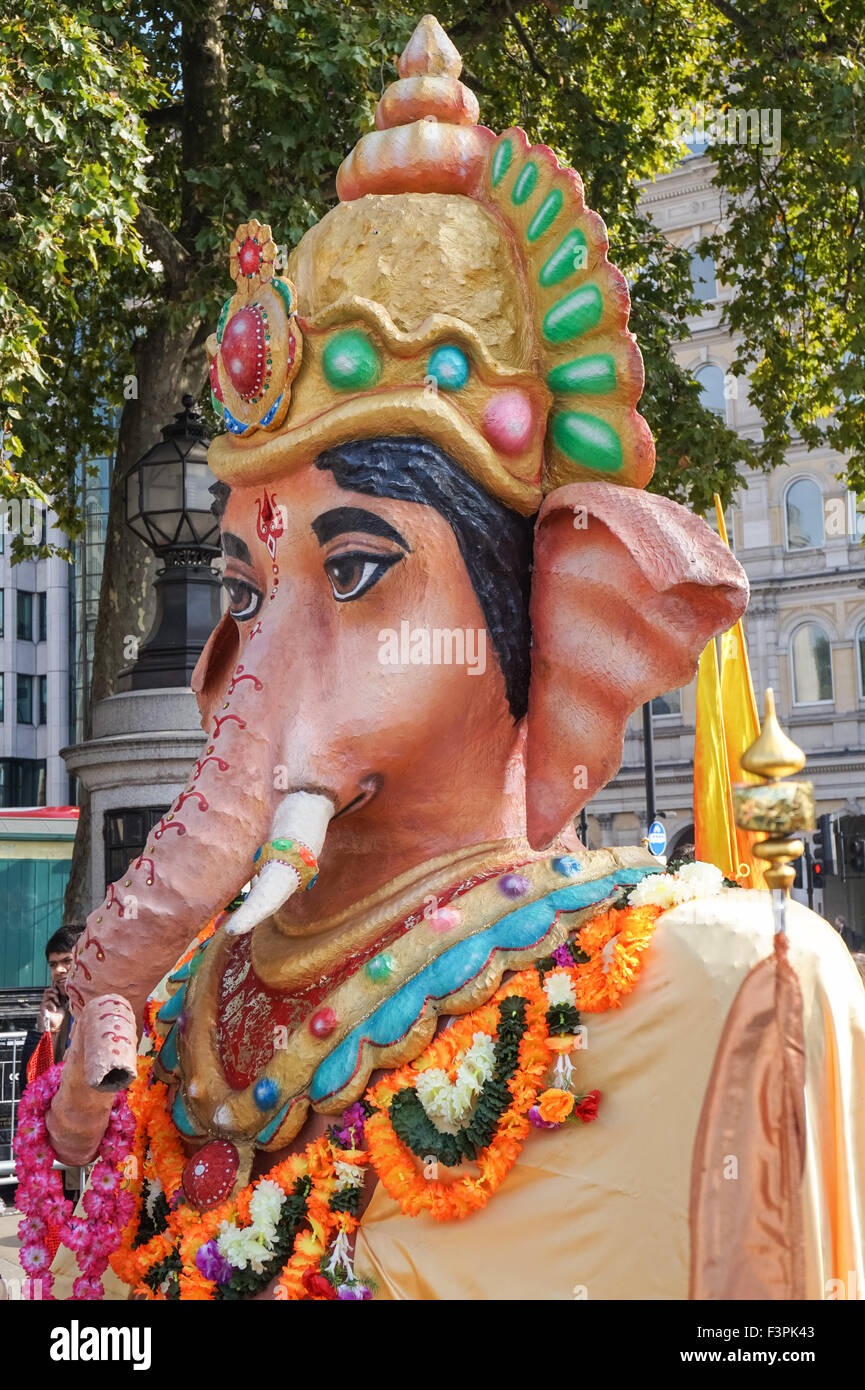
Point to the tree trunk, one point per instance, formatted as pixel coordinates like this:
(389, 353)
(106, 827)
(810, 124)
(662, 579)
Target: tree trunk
(167, 365)
(169, 361)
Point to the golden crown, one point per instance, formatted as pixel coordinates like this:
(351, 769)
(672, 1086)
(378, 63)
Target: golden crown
(460, 290)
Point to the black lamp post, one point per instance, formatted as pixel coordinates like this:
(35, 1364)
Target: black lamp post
(168, 504)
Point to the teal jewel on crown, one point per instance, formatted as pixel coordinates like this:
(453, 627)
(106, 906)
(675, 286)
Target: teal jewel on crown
(448, 367)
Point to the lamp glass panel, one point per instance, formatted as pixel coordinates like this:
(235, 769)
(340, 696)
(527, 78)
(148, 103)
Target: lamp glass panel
(162, 489)
(199, 499)
(163, 528)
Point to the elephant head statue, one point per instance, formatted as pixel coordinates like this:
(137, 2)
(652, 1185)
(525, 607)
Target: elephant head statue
(448, 589)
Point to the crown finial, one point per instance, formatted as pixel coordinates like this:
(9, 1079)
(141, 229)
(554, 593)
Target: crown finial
(429, 50)
(429, 88)
(427, 138)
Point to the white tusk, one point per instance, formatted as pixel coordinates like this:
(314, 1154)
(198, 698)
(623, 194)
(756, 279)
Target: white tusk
(302, 816)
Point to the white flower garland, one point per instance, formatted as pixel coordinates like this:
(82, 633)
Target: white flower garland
(697, 880)
(348, 1175)
(447, 1103)
(558, 989)
(154, 1190)
(253, 1244)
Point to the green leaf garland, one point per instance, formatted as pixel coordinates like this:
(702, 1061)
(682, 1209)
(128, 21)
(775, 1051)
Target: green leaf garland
(416, 1130)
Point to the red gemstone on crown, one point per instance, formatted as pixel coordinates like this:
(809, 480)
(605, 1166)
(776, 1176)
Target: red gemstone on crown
(242, 354)
(249, 256)
(210, 1173)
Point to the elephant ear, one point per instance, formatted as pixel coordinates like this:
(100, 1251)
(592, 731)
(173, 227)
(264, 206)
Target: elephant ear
(627, 589)
(214, 668)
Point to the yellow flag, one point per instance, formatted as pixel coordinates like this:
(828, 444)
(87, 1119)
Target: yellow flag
(741, 726)
(714, 830)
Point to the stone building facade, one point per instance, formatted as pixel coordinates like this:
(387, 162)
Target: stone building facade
(797, 533)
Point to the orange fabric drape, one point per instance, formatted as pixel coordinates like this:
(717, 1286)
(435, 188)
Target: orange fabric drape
(741, 727)
(714, 830)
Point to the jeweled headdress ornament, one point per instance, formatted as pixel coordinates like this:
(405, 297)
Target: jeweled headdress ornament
(460, 291)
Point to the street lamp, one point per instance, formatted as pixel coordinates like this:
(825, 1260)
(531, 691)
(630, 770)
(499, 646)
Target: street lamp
(168, 505)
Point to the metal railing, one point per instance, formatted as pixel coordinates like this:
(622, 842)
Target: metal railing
(11, 1049)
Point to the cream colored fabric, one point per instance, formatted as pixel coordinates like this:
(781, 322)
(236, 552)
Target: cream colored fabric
(601, 1211)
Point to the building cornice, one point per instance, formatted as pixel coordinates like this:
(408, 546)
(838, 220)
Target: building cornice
(821, 579)
(665, 774)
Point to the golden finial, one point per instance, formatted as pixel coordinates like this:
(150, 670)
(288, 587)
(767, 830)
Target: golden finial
(773, 754)
(777, 808)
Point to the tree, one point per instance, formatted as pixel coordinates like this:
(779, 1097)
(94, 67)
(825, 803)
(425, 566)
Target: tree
(792, 242)
(139, 135)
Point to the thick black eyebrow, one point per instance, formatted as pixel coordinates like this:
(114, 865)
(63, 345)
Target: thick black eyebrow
(238, 550)
(341, 519)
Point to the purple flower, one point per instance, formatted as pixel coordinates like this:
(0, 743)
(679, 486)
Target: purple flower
(353, 1119)
(212, 1264)
(353, 1291)
(562, 955)
(535, 1117)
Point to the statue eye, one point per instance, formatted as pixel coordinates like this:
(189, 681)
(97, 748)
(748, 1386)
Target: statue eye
(245, 601)
(353, 574)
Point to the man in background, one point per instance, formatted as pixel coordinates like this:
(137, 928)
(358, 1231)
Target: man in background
(47, 1042)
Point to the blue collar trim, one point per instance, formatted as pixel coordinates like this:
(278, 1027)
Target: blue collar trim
(516, 931)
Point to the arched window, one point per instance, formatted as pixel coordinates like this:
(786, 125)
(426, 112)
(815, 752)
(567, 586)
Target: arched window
(671, 703)
(860, 648)
(703, 277)
(803, 510)
(711, 381)
(811, 657)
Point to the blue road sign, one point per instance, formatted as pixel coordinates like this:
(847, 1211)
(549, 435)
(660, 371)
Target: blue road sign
(657, 838)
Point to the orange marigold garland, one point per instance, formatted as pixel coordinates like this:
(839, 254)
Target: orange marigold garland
(603, 981)
(305, 1209)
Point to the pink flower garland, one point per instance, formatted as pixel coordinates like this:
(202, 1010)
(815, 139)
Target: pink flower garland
(40, 1192)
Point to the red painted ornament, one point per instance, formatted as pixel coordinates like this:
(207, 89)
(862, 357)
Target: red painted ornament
(243, 351)
(210, 1173)
(249, 257)
(322, 1023)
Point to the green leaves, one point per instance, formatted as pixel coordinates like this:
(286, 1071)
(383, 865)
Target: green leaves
(99, 115)
(792, 244)
(415, 1129)
(72, 165)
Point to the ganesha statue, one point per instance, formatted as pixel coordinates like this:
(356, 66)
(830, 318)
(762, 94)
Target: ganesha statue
(441, 1049)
